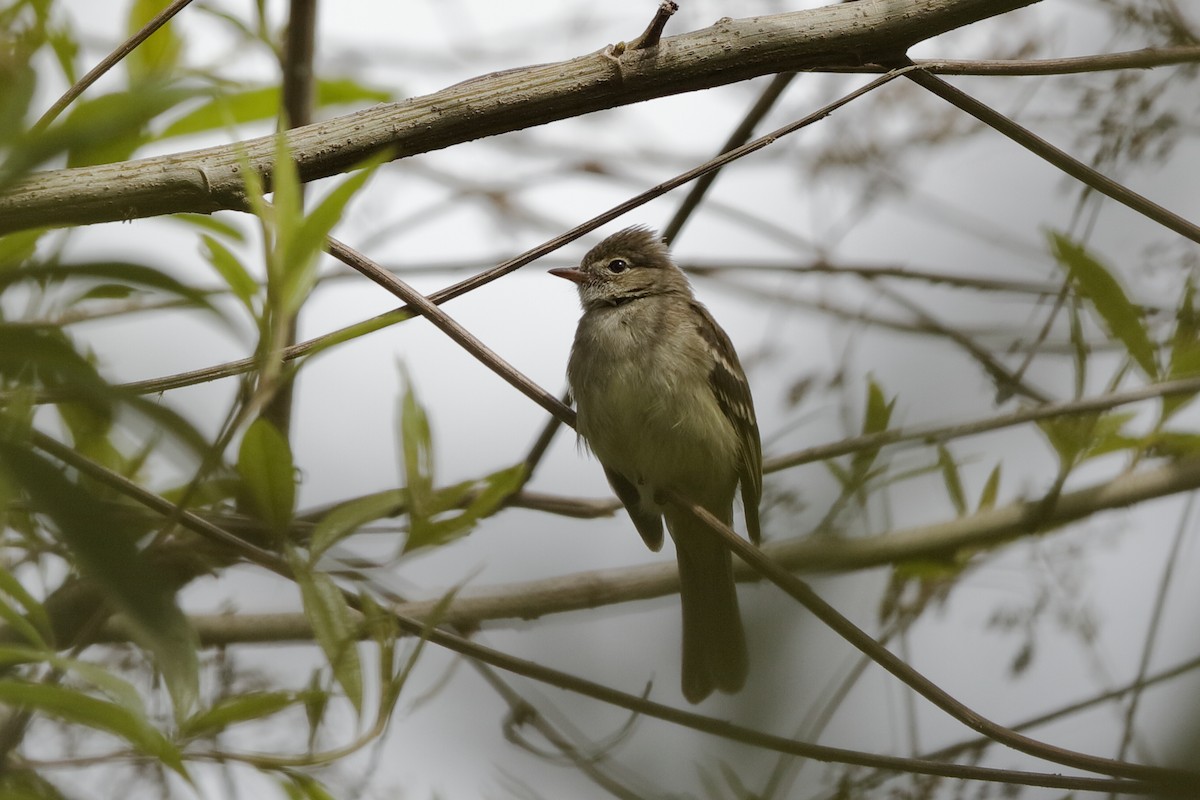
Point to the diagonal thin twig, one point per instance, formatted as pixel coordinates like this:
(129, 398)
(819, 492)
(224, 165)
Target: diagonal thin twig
(832, 618)
(108, 62)
(1059, 158)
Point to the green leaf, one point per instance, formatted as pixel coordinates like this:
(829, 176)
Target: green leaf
(300, 786)
(987, 499)
(99, 677)
(952, 480)
(1173, 444)
(268, 474)
(481, 499)
(105, 551)
(82, 709)
(212, 223)
(1096, 282)
(110, 128)
(334, 626)
(1185, 350)
(31, 620)
(230, 711)
(346, 518)
(119, 273)
(416, 445)
(156, 57)
(227, 265)
(877, 416)
(18, 248)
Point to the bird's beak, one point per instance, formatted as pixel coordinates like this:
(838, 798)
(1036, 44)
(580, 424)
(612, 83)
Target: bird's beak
(573, 274)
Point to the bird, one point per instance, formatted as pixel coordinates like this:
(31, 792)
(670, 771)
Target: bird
(663, 403)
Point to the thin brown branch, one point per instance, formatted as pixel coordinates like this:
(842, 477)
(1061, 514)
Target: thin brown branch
(1172, 781)
(1056, 157)
(1134, 59)
(832, 618)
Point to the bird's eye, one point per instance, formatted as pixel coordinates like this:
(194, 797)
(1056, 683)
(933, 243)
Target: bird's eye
(618, 265)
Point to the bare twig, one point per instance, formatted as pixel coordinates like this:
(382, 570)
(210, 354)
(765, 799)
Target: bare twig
(803, 594)
(1059, 158)
(108, 62)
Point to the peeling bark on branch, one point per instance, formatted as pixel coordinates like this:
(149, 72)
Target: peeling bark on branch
(203, 181)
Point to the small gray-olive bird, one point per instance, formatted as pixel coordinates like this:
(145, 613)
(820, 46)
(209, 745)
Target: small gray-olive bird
(664, 404)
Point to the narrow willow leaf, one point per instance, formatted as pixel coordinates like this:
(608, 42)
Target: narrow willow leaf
(99, 677)
(477, 499)
(268, 474)
(82, 709)
(232, 710)
(951, 479)
(348, 517)
(300, 786)
(1121, 317)
(987, 499)
(416, 445)
(122, 273)
(1185, 350)
(334, 626)
(105, 551)
(877, 415)
(231, 270)
(31, 620)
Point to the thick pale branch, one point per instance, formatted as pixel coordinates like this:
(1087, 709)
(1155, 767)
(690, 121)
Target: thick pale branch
(809, 555)
(729, 51)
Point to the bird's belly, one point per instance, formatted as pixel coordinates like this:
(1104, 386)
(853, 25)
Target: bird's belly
(661, 436)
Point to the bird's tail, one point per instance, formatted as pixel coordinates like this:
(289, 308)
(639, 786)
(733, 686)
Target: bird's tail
(714, 645)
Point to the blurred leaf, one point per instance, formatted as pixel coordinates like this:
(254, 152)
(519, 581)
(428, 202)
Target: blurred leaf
(346, 518)
(19, 78)
(44, 357)
(481, 499)
(334, 626)
(110, 128)
(157, 57)
(135, 276)
(1081, 436)
(30, 620)
(1069, 436)
(952, 480)
(105, 552)
(316, 703)
(416, 446)
(987, 499)
(258, 104)
(300, 786)
(66, 48)
(1185, 350)
(230, 711)
(307, 241)
(268, 474)
(17, 783)
(17, 248)
(227, 265)
(82, 709)
(1096, 282)
(212, 223)
(98, 676)
(1173, 444)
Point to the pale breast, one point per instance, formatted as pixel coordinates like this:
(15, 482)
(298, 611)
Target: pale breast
(645, 404)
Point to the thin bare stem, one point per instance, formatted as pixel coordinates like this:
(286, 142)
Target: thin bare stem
(108, 62)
